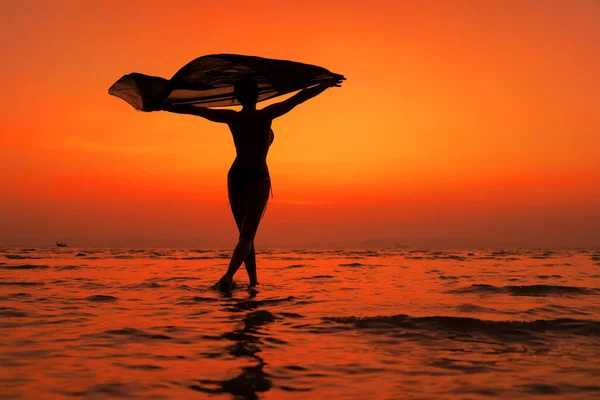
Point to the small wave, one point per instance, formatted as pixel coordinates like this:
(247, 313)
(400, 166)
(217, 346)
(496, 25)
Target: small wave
(463, 366)
(473, 308)
(101, 298)
(24, 266)
(246, 305)
(294, 389)
(289, 258)
(527, 290)
(473, 325)
(434, 271)
(561, 389)
(555, 310)
(365, 253)
(152, 285)
(181, 278)
(199, 299)
(557, 265)
(317, 277)
(290, 315)
(450, 257)
(21, 283)
(68, 267)
(502, 253)
(293, 266)
(20, 257)
(542, 256)
(12, 312)
(111, 390)
(353, 265)
(148, 283)
(142, 367)
(19, 295)
(136, 334)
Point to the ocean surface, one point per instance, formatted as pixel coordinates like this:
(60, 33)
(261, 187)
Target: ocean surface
(335, 324)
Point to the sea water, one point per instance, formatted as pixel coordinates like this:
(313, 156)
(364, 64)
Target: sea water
(325, 323)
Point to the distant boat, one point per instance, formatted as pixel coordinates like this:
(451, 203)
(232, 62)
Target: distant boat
(61, 244)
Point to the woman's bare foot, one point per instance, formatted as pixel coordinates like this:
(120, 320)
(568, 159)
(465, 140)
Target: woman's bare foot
(224, 284)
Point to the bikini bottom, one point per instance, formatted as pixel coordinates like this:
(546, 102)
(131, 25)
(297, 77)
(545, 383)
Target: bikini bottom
(240, 177)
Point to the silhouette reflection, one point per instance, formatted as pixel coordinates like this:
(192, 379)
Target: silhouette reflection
(247, 341)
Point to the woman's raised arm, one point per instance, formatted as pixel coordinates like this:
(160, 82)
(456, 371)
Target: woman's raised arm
(224, 116)
(283, 107)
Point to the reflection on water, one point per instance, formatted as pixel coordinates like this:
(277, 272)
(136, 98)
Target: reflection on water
(246, 345)
(338, 323)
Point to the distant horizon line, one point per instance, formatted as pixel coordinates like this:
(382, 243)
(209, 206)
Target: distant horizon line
(228, 248)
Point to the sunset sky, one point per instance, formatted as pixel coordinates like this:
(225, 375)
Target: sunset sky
(461, 123)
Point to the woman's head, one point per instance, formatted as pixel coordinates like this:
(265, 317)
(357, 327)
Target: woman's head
(246, 91)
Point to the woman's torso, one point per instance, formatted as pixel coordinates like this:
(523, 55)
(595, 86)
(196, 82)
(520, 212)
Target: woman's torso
(252, 136)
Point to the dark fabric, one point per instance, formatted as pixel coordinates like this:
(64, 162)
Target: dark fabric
(208, 81)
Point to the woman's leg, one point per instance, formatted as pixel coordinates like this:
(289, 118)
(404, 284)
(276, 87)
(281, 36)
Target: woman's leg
(250, 263)
(236, 202)
(255, 200)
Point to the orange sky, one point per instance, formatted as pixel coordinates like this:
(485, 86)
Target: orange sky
(459, 124)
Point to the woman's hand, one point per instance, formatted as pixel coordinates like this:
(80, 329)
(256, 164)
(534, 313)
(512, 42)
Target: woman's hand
(333, 82)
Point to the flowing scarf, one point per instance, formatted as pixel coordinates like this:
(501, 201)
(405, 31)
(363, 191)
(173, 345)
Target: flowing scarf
(208, 81)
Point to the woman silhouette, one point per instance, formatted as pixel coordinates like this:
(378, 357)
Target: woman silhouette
(248, 181)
